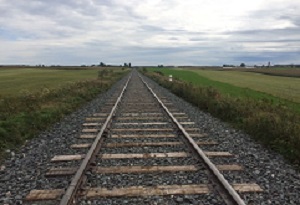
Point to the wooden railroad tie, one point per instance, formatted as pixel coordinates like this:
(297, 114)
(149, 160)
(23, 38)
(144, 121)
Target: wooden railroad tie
(64, 171)
(191, 189)
(139, 144)
(59, 158)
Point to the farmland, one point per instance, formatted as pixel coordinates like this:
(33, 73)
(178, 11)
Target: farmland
(276, 71)
(15, 81)
(283, 87)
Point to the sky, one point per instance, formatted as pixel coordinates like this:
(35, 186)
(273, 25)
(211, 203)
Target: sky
(150, 32)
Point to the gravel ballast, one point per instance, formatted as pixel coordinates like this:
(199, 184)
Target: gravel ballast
(137, 92)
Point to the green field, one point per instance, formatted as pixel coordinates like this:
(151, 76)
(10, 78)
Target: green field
(280, 90)
(15, 81)
(283, 87)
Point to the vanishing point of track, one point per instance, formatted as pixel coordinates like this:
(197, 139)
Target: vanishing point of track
(140, 133)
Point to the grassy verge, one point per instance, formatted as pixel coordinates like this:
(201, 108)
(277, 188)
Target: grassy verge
(232, 86)
(24, 115)
(273, 124)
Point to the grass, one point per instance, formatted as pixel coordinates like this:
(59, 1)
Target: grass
(24, 115)
(242, 85)
(283, 87)
(287, 72)
(275, 125)
(15, 81)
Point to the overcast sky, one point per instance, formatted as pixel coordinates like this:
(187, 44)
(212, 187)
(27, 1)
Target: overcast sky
(149, 32)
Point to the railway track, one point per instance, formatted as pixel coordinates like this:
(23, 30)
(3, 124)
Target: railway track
(140, 149)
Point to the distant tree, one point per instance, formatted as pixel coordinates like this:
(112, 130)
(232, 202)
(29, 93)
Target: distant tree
(129, 65)
(102, 64)
(243, 65)
(125, 65)
(227, 65)
(160, 66)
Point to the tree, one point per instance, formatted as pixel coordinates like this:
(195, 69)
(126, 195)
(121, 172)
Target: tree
(243, 65)
(129, 65)
(125, 65)
(102, 64)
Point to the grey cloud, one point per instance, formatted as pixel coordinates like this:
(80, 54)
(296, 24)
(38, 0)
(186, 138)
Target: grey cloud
(268, 41)
(173, 38)
(197, 39)
(152, 28)
(265, 57)
(281, 37)
(295, 18)
(265, 31)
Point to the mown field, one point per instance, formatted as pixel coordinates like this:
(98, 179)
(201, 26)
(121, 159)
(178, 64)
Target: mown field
(242, 99)
(283, 87)
(31, 100)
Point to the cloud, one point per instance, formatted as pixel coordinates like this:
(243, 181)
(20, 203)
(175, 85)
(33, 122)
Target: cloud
(149, 32)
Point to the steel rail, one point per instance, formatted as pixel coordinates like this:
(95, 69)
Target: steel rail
(70, 193)
(235, 196)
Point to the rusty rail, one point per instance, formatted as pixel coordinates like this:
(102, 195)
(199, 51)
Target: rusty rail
(69, 196)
